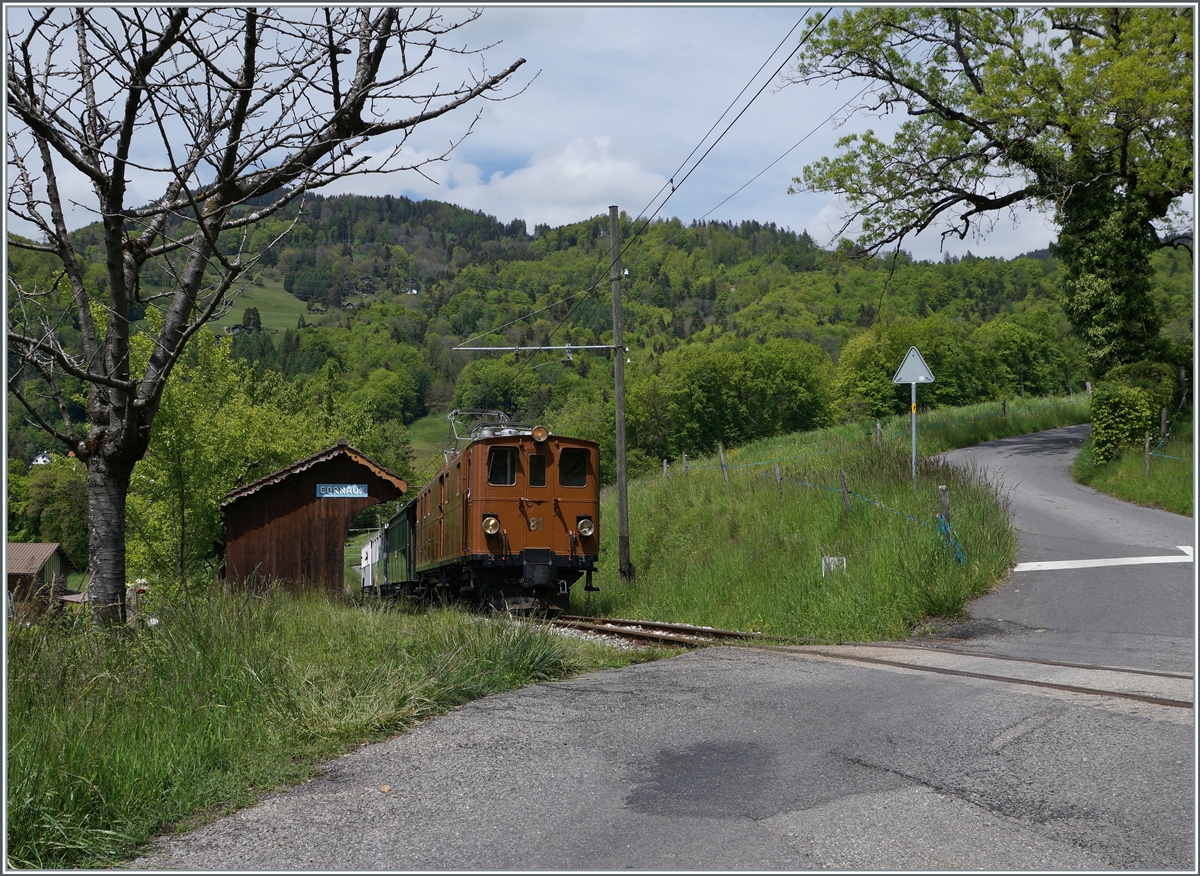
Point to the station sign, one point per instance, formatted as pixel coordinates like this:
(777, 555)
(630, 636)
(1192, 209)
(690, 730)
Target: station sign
(342, 491)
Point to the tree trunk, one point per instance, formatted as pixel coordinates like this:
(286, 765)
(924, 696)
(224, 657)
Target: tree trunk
(108, 484)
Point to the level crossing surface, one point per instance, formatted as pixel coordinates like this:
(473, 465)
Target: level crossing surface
(1051, 730)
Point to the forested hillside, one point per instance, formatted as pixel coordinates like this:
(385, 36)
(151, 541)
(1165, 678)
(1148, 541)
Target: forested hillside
(348, 325)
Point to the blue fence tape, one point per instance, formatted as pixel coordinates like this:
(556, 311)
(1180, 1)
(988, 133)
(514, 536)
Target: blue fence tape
(948, 535)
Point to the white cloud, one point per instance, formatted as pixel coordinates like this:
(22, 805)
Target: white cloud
(579, 180)
(1003, 235)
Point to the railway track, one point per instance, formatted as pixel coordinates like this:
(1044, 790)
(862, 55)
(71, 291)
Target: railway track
(652, 632)
(1170, 689)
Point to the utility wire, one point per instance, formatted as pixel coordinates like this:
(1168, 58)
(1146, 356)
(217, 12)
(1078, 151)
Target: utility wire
(595, 283)
(591, 287)
(682, 164)
(638, 231)
(757, 94)
(739, 190)
(675, 187)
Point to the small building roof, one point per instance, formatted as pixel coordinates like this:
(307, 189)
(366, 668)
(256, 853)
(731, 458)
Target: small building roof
(27, 558)
(339, 449)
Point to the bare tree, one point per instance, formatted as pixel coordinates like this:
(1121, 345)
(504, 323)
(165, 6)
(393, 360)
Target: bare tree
(227, 114)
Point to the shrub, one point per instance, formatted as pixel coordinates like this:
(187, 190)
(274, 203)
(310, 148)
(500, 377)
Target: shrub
(1157, 379)
(1121, 415)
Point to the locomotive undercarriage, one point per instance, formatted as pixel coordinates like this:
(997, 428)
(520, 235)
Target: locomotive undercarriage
(532, 581)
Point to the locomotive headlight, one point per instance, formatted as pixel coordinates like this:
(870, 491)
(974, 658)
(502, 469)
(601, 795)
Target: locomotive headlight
(540, 434)
(491, 525)
(586, 528)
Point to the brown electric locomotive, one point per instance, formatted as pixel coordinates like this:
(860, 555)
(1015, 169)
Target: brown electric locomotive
(511, 521)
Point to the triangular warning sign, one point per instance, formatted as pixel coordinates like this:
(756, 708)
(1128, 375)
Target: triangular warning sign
(913, 369)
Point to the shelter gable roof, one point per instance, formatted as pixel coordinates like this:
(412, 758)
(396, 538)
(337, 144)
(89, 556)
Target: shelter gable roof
(339, 449)
(27, 558)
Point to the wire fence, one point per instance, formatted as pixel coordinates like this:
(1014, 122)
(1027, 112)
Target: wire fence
(940, 522)
(1166, 435)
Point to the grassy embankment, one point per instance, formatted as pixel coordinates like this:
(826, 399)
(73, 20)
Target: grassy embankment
(114, 738)
(1172, 472)
(743, 556)
(429, 435)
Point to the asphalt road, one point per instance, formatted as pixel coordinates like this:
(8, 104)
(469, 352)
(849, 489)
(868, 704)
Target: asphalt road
(1126, 615)
(731, 758)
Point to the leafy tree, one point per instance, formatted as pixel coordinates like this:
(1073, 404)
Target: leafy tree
(210, 435)
(496, 384)
(241, 112)
(17, 499)
(1087, 111)
(389, 395)
(49, 503)
(1019, 359)
(251, 320)
(220, 426)
(730, 394)
(868, 362)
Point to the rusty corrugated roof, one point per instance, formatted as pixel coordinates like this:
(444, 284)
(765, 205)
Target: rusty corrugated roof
(295, 468)
(27, 558)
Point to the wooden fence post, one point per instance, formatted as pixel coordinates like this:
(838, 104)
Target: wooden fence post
(845, 492)
(944, 495)
(1147, 454)
(778, 480)
(664, 469)
(1088, 384)
(724, 468)
(879, 435)
(1162, 421)
(1004, 408)
(685, 465)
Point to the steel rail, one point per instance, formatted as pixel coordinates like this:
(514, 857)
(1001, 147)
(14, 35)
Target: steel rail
(964, 673)
(939, 650)
(623, 632)
(686, 629)
(668, 633)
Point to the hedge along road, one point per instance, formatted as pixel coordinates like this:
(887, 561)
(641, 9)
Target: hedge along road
(929, 756)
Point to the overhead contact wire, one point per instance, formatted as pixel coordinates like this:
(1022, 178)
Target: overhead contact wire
(675, 187)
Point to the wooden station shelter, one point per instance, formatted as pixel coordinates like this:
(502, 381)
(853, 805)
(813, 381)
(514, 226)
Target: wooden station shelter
(36, 569)
(292, 525)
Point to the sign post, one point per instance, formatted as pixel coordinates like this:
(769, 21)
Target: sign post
(913, 370)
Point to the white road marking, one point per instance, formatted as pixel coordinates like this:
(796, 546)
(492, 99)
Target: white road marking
(1111, 561)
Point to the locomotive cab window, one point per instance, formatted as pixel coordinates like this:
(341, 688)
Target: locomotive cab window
(537, 470)
(572, 467)
(502, 466)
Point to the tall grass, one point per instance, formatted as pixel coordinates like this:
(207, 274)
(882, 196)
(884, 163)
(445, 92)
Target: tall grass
(745, 556)
(1172, 472)
(115, 737)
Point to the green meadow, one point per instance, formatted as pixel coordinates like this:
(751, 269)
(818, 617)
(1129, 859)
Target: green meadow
(748, 554)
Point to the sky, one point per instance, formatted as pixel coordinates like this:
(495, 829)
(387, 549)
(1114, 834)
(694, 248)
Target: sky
(615, 98)
(621, 97)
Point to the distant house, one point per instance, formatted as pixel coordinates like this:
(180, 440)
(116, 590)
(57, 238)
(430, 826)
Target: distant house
(35, 568)
(42, 458)
(292, 525)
